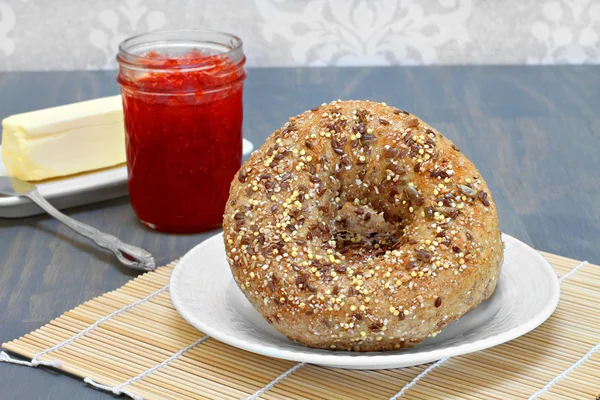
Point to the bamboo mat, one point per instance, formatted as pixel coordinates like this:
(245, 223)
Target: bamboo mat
(132, 341)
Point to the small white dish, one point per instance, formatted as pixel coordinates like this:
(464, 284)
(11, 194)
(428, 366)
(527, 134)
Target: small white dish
(205, 294)
(71, 191)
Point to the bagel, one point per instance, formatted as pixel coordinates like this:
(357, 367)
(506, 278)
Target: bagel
(357, 226)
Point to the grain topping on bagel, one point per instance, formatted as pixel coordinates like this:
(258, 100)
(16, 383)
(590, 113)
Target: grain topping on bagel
(357, 226)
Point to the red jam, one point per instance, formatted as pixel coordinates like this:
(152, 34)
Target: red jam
(183, 123)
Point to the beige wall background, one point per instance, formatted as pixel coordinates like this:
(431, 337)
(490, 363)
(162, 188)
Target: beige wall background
(70, 34)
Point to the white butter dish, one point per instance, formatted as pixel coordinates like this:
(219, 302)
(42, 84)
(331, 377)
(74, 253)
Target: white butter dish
(71, 191)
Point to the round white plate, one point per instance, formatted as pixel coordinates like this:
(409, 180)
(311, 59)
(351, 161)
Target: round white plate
(204, 292)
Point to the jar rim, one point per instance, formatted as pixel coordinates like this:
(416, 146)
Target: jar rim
(231, 46)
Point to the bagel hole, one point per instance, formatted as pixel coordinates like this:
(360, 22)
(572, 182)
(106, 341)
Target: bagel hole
(360, 229)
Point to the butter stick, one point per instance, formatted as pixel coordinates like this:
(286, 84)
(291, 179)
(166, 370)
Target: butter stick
(64, 140)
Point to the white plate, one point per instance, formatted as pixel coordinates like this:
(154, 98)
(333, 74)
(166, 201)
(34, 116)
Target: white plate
(204, 292)
(71, 191)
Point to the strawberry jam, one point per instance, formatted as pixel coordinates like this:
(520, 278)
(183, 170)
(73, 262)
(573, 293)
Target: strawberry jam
(182, 102)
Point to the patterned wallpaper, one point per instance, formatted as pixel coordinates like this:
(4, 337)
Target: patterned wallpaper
(84, 34)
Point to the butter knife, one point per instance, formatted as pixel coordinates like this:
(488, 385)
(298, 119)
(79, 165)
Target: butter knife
(130, 256)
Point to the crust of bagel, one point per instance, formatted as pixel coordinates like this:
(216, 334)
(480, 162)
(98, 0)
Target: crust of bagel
(429, 251)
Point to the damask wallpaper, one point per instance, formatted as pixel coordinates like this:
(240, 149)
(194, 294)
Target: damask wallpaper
(84, 34)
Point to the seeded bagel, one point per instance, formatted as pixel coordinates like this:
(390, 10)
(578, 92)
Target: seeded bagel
(357, 226)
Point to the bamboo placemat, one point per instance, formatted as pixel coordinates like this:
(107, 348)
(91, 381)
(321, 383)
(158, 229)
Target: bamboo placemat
(132, 341)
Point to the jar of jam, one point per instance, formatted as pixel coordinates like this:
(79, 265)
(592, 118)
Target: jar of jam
(182, 102)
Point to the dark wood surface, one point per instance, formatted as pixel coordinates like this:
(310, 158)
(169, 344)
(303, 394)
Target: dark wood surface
(534, 132)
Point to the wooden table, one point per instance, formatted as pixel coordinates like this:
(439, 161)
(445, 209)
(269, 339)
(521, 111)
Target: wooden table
(534, 132)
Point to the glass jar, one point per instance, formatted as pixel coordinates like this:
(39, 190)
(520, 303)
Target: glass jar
(182, 102)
